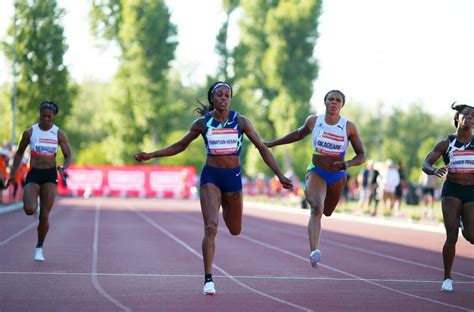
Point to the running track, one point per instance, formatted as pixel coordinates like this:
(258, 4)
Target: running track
(145, 255)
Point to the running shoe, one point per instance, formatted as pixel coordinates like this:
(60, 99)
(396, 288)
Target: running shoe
(315, 258)
(209, 289)
(39, 254)
(447, 285)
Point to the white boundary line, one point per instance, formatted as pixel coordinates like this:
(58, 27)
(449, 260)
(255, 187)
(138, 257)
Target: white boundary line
(196, 253)
(250, 277)
(94, 274)
(289, 253)
(373, 253)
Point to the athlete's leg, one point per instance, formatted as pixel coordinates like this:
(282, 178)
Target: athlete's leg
(334, 192)
(468, 221)
(210, 198)
(47, 197)
(31, 192)
(315, 192)
(232, 207)
(451, 207)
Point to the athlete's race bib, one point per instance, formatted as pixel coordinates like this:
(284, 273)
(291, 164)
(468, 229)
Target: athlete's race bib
(329, 144)
(462, 161)
(222, 141)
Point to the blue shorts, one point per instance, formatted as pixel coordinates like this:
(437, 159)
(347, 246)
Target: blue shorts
(227, 180)
(330, 177)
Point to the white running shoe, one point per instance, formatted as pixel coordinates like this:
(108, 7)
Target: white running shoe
(315, 258)
(39, 254)
(209, 289)
(447, 285)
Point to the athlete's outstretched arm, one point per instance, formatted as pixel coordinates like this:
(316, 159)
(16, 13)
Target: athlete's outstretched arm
(428, 165)
(24, 142)
(295, 135)
(196, 129)
(267, 156)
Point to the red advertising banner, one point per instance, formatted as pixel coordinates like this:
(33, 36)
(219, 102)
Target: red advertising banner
(132, 180)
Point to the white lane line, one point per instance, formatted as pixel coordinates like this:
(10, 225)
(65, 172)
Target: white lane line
(366, 251)
(258, 242)
(27, 228)
(94, 274)
(197, 254)
(250, 277)
(289, 253)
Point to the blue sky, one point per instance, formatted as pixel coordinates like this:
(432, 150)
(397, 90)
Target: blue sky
(391, 51)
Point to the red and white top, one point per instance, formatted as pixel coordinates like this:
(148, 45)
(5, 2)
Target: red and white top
(330, 140)
(44, 143)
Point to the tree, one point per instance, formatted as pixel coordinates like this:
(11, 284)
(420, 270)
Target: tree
(275, 67)
(40, 46)
(141, 112)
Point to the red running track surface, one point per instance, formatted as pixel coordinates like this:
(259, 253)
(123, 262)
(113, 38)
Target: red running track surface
(145, 255)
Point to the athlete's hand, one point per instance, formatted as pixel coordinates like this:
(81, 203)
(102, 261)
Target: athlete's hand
(440, 172)
(142, 156)
(340, 164)
(286, 183)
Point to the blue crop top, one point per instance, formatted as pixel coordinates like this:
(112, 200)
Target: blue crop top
(223, 139)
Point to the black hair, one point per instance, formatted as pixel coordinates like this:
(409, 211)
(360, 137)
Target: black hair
(339, 92)
(50, 105)
(458, 108)
(203, 109)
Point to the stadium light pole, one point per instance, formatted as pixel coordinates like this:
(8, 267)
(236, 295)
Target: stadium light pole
(14, 78)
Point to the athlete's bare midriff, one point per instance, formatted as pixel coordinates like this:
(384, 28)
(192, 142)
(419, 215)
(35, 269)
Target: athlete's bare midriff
(227, 162)
(461, 178)
(326, 162)
(42, 162)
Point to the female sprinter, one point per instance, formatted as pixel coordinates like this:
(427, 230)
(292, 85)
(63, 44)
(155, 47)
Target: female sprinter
(42, 179)
(326, 174)
(221, 183)
(457, 195)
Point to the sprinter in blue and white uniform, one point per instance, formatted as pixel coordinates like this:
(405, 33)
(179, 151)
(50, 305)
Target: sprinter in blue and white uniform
(221, 178)
(457, 195)
(44, 138)
(326, 174)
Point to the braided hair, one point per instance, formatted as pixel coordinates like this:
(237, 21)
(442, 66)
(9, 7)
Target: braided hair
(203, 109)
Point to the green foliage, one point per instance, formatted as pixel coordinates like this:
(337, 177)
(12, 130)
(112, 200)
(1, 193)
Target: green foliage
(40, 46)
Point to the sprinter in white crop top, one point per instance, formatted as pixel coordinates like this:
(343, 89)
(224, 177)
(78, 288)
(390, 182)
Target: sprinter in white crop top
(44, 138)
(326, 174)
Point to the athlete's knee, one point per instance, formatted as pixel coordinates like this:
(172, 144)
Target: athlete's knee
(210, 229)
(29, 210)
(452, 236)
(316, 206)
(235, 230)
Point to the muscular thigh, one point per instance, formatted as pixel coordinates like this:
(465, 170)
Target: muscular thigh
(47, 196)
(30, 196)
(333, 195)
(232, 209)
(468, 217)
(451, 207)
(315, 190)
(210, 198)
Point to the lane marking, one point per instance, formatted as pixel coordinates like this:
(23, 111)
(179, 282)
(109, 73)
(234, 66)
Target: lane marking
(250, 277)
(197, 254)
(289, 253)
(363, 250)
(28, 227)
(95, 248)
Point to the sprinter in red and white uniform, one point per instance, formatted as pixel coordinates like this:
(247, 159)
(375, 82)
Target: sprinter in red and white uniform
(44, 138)
(326, 174)
(221, 178)
(457, 196)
